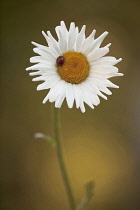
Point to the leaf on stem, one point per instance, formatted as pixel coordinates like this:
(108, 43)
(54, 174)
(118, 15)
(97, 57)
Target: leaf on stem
(88, 196)
(49, 139)
(89, 189)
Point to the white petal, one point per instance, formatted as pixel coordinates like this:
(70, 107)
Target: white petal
(71, 37)
(110, 84)
(59, 101)
(102, 95)
(35, 73)
(95, 44)
(78, 95)
(45, 36)
(62, 34)
(97, 54)
(57, 29)
(106, 90)
(77, 31)
(62, 42)
(69, 95)
(95, 99)
(40, 46)
(88, 43)
(37, 66)
(80, 39)
(63, 29)
(91, 85)
(108, 45)
(90, 90)
(93, 91)
(49, 72)
(118, 74)
(54, 92)
(37, 59)
(102, 87)
(104, 69)
(46, 73)
(99, 40)
(107, 60)
(42, 86)
(82, 107)
(57, 94)
(47, 55)
(45, 99)
(117, 61)
(106, 75)
(50, 82)
(55, 45)
(41, 78)
(61, 95)
(53, 48)
(86, 99)
(96, 83)
(48, 40)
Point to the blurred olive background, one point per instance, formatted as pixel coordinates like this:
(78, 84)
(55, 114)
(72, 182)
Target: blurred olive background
(102, 144)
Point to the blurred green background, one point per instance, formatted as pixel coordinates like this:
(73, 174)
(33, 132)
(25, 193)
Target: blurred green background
(102, 144)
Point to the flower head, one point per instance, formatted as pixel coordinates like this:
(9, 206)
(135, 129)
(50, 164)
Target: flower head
(74, 67)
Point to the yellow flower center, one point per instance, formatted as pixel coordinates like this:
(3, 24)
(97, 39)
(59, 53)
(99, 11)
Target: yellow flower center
(75, 68)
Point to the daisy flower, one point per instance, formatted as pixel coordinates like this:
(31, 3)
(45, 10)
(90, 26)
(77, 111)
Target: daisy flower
(74, 67)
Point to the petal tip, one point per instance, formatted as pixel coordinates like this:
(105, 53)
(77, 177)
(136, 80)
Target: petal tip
(38, 88)
(44, 34)
(34, 79)
(43, 102)
(121, 74)
(62, 22)
(28, 68)
(120, 59)
(108, 45)
(106, 33)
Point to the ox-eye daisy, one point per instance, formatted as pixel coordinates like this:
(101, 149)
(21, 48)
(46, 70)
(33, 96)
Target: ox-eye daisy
(74, 67)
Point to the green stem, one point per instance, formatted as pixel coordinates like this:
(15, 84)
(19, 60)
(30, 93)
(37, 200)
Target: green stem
(60, 158)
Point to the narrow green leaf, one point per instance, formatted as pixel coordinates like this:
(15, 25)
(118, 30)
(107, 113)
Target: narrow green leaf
(45, 137)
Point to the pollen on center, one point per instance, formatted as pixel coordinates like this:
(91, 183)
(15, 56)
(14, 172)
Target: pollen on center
(75, 68)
